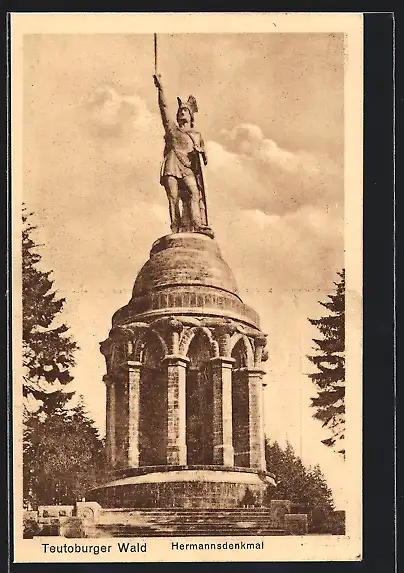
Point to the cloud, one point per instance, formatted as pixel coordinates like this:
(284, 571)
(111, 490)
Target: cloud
(283, 253)
(258, 173)
(260, 219)
(112, 114)
(249, 141)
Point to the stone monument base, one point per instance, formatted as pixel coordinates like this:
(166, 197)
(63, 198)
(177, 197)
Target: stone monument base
(189, 487)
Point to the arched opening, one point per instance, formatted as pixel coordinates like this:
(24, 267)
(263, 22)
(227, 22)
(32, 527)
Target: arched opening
(153, 405)
(240, 406)
(199, 402)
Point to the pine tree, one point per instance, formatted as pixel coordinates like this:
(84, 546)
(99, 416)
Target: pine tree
(302, 486)
(330, 363)
(63, 453)
(47, 348)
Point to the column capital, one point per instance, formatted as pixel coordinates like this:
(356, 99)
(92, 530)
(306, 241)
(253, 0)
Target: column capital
(176, 359)
(253, 372)
(224, 361)
(256, 372)
(132, 364)
(260, 339)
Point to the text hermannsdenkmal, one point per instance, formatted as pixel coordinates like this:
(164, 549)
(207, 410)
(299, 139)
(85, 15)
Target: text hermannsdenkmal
(175, 546)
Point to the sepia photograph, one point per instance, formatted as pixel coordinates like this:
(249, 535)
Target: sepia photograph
(187, 287)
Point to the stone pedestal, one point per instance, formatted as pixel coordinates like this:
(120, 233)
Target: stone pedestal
(279, 508)
(180, 487)
(183, 371)
(296, 524)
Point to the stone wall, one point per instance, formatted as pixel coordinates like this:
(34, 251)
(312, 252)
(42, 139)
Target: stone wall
(187, 495)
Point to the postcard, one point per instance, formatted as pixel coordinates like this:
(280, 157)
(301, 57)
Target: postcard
(187, 286)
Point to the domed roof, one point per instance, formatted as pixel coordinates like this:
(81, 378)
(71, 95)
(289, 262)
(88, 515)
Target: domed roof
(184, 259)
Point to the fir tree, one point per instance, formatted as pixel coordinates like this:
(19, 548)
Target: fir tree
(301, 485)
(48, 351)
(330, 363)
(63, 453)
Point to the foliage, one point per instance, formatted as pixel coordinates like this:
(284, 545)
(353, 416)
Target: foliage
(295, 482)
(63, 454)
(329, 360)
(335, 523)
(47, 348)
(249, 499)
(30, 528)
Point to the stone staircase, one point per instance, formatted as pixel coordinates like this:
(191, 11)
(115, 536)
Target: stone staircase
(186, 522)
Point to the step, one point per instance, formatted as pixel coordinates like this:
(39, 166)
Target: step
(170, 520)
(187, 522)
(193, 516)
(130, 531)
(196, 515)
(196, 510)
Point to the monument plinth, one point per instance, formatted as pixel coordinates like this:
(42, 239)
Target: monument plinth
(184, 385)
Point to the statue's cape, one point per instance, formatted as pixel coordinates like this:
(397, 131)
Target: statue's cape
(197, 169)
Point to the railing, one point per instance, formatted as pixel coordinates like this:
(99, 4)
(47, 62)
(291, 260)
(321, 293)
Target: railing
(189, 297)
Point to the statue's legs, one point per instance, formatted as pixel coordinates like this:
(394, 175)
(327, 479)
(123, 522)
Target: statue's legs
(186, 223)
(171, 187)
(191, 200)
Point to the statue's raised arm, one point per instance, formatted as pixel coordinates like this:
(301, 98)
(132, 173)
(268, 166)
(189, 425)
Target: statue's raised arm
(162, 102)
(181, 172)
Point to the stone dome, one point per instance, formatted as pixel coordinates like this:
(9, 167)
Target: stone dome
(185, 275)
(184, 259)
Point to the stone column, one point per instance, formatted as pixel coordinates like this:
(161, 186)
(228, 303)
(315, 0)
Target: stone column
(176, 406)
(134, 413)
(110, 420)
(256, 418)
(223, 451)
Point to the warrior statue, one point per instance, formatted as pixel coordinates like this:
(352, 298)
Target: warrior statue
(181, 171)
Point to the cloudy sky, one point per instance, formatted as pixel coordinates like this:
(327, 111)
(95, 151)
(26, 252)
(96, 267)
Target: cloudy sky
(271, 113)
